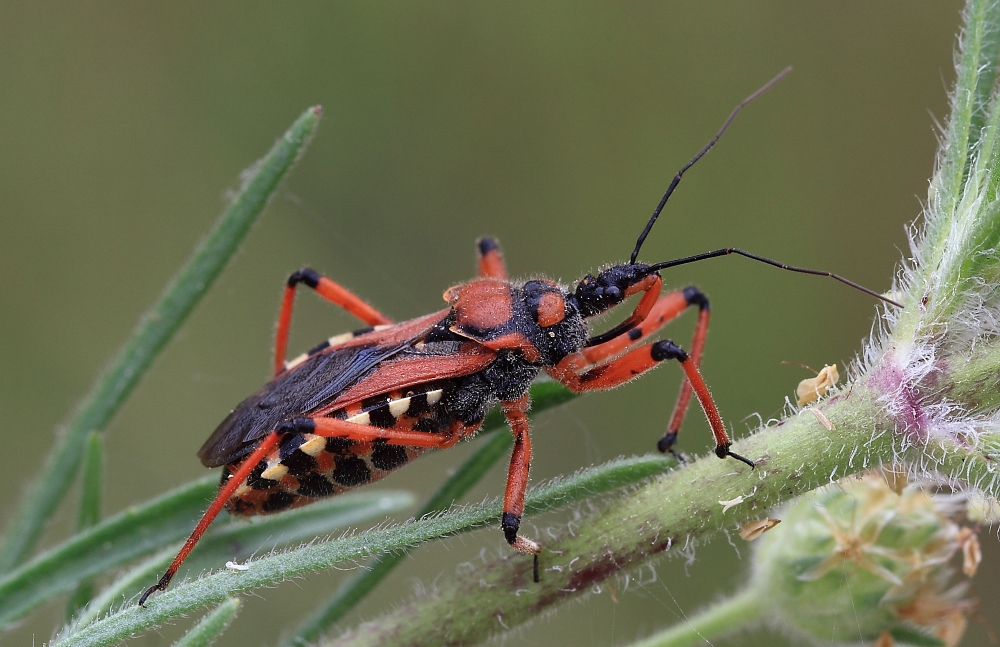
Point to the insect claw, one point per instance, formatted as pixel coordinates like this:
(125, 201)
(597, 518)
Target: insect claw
(741, 459)
(149, 592)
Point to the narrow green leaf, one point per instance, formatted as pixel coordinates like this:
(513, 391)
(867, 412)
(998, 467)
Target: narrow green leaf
(355, 589)
(140, 531)
(956, 151)
(216, 587)
(116, 540)
(989, 58)
(92, 482)
(125, 586)
(211, 626)
(241, 538)
(233, 539)
(90, 512)
(155, 329)
(544, 395)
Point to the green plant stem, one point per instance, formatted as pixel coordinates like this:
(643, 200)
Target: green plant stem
(355, 590)
(90, 512)
(793, 457)
(126, 585)
(139, 531)
(708, 624)
(544, 395)
(211, 626)
(216, 587)
(154, 330)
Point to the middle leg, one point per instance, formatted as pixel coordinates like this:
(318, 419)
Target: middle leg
(516, 413)
(329, 290)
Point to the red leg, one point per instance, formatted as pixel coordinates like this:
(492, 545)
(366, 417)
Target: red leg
(635, 363)
(330, 291)
(225, 492)
(490, 259)
(684, 397)
(329, 427)
(517, 479)
(666, 308)
(336, 428)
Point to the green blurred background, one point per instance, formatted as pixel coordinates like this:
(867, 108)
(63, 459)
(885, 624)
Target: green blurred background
(553, 126)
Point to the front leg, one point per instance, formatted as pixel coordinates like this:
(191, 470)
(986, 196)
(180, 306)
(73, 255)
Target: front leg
(516, 413)
(635, 363)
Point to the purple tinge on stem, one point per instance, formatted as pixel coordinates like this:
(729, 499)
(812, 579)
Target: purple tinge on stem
(903, 400)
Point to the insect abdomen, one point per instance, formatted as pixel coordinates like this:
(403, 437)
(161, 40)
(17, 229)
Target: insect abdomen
(306, 467)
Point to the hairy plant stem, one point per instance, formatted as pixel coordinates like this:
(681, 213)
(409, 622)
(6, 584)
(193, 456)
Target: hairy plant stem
(925, 397)
(216, 587)
(794, 457)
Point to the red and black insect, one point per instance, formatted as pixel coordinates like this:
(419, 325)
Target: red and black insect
(362, 404)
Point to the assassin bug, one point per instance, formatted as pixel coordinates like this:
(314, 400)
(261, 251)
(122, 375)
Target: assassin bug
(362, 404)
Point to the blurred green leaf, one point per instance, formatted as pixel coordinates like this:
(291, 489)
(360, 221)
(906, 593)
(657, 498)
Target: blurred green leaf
(155, 329)
(211, 626)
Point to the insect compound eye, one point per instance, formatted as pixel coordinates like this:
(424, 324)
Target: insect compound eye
(612, 292)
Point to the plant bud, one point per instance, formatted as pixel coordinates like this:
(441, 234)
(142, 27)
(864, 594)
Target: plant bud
(860, 561)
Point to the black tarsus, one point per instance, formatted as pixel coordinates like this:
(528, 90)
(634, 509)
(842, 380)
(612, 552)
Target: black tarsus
(510, 523)
(486, 245)
(722, 451)
(306, 275)
(159, 586)
(677, 178)
(696, 297)
(667, 349)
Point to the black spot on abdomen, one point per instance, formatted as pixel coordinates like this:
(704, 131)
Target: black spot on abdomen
(258, 483)
(337, 446)
(278, 501)
(299, 462)
(351, 471)
(314, 485)
(388, 457)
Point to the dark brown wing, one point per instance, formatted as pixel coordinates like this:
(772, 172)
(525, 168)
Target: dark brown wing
(319, 379)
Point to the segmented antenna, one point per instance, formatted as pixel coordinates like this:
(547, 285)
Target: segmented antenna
(677, 178)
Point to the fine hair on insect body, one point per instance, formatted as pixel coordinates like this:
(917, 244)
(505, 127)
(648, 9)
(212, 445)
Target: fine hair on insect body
(362, 404)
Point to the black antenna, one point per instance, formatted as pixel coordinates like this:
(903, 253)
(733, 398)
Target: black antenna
(804, 270)
(733, 250)
(701, 153)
